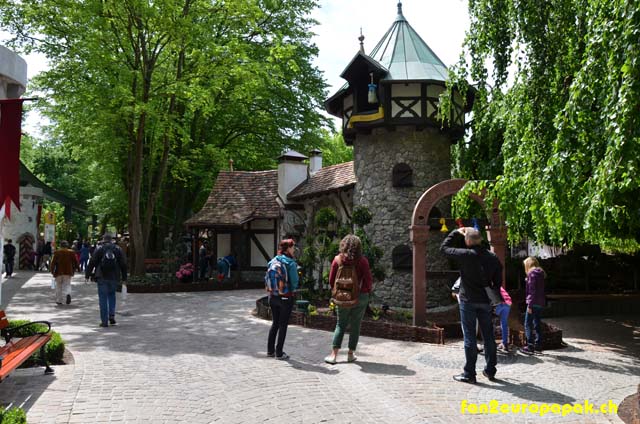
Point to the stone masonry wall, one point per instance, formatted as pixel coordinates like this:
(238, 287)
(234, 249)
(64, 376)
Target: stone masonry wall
(427, 152)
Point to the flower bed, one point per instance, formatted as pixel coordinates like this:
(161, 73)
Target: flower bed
(172, 287)
(380, 328)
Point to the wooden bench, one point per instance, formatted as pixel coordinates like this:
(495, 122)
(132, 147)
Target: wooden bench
(16, 352)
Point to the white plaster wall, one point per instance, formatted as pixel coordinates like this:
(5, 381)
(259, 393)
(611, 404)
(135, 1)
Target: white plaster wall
(13, 70)
(290, 175)
(23, 220)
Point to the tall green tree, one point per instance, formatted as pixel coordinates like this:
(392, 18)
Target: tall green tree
(557, 121)
(156, 96)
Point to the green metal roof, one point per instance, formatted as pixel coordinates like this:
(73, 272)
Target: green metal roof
(406, 55)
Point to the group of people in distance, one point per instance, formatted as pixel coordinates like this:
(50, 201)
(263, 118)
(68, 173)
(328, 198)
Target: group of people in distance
(481, 293)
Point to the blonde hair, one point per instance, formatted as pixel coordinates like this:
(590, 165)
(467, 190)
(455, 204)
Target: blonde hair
(531, 263)
(351, 246)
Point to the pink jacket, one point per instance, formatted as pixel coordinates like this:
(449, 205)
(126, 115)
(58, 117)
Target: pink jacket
(505, 296)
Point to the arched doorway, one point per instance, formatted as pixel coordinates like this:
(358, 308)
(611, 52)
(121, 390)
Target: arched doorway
(496, 234)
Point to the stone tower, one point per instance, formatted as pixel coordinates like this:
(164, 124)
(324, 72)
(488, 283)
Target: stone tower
(389, 112)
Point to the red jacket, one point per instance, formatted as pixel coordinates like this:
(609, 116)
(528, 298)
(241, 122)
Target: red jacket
(362, 268)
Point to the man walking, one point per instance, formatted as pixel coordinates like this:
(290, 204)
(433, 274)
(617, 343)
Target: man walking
(110, 267)
(9, 257)
(63, 266)
(480, 281)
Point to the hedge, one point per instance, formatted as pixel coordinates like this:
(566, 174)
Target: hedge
(13, 416)
(55, 347)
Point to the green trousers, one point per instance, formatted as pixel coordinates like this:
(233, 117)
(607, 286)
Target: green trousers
(350, 318)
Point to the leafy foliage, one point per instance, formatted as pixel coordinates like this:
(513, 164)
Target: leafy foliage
(153, 98)
(54, 348)
(13, 416)
(557, 123)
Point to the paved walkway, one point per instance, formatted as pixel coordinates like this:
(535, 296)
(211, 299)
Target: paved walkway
(199, 358)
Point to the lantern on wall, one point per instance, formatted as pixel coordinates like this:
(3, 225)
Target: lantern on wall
(372, 96)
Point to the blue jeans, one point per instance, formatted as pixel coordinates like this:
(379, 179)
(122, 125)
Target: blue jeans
(107, 299)
(502, 310)
(532, 322)
(469, 314)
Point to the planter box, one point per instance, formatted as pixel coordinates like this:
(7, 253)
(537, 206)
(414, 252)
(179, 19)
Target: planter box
(551, 337)
(382, 329)
(321, 322)
(189, 287)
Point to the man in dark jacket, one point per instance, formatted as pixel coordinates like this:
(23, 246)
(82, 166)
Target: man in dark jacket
(480, 281)
(9, 257)
(110, 265)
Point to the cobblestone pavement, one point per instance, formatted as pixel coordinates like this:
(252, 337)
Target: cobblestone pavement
(200, 358)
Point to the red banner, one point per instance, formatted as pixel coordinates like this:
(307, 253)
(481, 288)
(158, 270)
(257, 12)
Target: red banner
(10, 133)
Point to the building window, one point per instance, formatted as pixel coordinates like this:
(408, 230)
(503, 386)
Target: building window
(402, 257)
(402, 175)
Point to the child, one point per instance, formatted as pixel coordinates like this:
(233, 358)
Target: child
(535, 303)
(502, 310)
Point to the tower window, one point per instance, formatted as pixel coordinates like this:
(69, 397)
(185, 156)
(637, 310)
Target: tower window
(402, 257)
(402, 175)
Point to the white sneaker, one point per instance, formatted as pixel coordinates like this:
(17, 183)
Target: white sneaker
(331, 360)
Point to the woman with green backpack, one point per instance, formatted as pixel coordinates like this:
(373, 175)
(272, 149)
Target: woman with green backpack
(351, 283)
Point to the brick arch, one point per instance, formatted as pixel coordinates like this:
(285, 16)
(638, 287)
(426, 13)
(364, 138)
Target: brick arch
(496, 234)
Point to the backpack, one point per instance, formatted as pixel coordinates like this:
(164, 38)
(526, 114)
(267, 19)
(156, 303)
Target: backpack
(346, 286)
(109, 261)
(276, 280)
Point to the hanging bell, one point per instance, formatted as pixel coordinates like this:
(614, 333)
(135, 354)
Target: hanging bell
(460, 223)
(444, 228)
(475, 223)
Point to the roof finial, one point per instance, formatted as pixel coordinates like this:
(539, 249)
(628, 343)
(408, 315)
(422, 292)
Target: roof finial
(400, 16)
(361, 38)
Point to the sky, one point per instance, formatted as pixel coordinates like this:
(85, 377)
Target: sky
(441, 24)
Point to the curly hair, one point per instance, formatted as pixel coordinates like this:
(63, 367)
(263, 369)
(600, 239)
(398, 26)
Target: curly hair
(351, 246)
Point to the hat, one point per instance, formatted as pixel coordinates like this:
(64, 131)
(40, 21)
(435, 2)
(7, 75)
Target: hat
(107, 238)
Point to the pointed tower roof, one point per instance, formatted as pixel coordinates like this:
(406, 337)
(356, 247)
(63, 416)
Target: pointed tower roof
(405, 54)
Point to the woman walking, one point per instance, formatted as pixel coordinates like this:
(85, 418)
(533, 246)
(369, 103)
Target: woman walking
(282, 282)
(535, 302)
(350, 255)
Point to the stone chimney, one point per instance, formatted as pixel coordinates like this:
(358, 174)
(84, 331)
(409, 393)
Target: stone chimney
(292, 171)
(315, 161)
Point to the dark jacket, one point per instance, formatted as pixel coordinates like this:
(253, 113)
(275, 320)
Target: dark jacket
(535, 287)
(120, 273)
(480, 270)
(9, 251)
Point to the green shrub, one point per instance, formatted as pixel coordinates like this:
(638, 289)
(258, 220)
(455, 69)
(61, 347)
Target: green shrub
(13, 416)
(55, 347)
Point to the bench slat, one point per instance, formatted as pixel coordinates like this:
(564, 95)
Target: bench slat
(16, 353)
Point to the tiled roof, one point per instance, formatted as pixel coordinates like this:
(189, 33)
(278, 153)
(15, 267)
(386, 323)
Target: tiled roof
(327, 179)
(238, 197)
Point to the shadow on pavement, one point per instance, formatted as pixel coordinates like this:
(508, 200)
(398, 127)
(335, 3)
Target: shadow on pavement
(386, 369)
(529, 391)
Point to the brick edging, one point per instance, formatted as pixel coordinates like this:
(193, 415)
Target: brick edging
(381, 329)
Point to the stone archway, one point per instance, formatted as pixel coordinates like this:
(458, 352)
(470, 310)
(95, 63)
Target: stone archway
(496, 234)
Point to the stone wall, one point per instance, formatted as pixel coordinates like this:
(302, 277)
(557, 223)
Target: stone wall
(427, 153)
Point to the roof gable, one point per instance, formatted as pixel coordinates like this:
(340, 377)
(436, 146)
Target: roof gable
(238, 197)
(327, 179)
